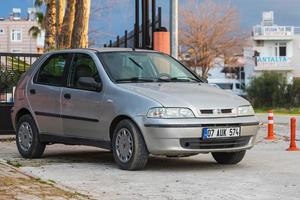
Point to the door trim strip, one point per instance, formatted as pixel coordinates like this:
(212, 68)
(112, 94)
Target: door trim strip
(66, 116)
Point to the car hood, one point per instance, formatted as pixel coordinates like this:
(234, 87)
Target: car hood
(197, 95)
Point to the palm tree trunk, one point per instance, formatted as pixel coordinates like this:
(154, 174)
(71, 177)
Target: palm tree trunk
(65, 36)
(60, 12)
(81, 24)
(50, 25)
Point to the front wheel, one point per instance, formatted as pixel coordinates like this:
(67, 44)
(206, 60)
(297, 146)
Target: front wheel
(229, 158)
(128, 146)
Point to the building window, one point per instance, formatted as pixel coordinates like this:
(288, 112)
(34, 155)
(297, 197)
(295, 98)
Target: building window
(1, 30)
(16, 35)
(280, 49)
(16, 51)
(260, 43)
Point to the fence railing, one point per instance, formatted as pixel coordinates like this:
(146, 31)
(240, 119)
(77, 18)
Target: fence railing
(128, 39)
(12, 66)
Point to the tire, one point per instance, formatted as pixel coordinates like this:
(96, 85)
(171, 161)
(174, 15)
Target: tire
(139, 153)
(36, 148)
(230, 158)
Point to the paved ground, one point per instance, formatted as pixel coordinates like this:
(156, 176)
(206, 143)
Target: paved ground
(267, 172)
(17, 185)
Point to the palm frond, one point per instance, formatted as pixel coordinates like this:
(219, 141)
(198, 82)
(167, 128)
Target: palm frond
(38, 3)
(35, 31)
(40, 19)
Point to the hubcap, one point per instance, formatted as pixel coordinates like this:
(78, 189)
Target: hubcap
(124, 145)
(25, 136)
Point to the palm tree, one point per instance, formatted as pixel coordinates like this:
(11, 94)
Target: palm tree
(60, 12)
(46, 22)
(50, 24)
(81, 24)
(65, 36)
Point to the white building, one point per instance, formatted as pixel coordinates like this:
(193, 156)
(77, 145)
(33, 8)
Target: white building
(274, 48)
(15, 36)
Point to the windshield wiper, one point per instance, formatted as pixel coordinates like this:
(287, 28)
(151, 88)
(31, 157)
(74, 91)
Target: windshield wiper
(136, 63)
(135, 79)
(184, 79)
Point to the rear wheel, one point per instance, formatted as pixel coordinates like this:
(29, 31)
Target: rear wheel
(229, 158)
(129, 148)
(27, 138)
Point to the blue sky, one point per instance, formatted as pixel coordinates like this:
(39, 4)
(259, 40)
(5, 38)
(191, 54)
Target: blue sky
(111, 17)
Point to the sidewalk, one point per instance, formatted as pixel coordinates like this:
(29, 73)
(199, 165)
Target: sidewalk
(14, 184)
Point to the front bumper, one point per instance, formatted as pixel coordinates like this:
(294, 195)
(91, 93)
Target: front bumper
(179, 137)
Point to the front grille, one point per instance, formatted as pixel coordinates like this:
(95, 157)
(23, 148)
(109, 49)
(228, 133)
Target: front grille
(206, 111)
(216, 111)
(226, 111)
(199, 143)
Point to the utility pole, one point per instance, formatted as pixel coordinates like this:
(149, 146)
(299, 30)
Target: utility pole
(174, 27)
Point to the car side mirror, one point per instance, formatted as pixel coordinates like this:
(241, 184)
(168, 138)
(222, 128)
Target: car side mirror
(89, 83)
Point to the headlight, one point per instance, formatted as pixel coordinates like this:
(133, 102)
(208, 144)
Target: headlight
(245, 110)
(170, 113)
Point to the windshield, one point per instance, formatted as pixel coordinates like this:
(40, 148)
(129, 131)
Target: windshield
(145, 67)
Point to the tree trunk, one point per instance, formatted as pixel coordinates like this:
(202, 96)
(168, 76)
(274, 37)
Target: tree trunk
(65, 36)
(60, 12)
(81, 24)
(50, 25)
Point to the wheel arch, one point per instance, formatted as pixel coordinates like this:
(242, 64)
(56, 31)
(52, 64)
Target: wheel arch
(116, 120)
(20, 113)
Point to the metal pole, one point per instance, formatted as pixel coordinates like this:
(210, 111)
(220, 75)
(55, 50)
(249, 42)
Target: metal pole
(125, 39)
(118, 41)
(174, 27)
(159, 17)
(137, 24)
(153, 20)
(144, 24)
(147, 25)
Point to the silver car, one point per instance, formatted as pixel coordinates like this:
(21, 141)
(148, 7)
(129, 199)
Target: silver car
(132, 102)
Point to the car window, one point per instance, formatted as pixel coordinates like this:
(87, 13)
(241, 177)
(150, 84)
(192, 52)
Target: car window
(82, 66)
(144, 66)
(52, 71)
(225, 86)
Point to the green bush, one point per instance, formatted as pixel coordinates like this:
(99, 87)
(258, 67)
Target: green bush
(270, 90)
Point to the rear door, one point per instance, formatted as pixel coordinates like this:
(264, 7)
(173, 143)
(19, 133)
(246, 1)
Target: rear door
(44, 92)
(81, 107)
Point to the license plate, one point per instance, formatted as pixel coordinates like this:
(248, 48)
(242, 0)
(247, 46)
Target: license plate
(221, 132)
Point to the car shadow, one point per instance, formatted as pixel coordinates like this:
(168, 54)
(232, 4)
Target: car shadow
(156, 163)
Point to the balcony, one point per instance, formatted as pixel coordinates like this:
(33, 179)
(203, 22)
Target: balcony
(273, 32)
(273, 64)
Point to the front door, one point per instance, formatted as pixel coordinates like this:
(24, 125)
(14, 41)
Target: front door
(44, 94)
(81, 106)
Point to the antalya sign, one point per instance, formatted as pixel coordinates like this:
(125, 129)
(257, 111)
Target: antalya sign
(272, 61)
(280, 59)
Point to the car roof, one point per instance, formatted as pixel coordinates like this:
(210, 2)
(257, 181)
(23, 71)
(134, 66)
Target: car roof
(106, 49)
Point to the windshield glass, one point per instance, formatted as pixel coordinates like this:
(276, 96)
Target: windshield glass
(145, 67)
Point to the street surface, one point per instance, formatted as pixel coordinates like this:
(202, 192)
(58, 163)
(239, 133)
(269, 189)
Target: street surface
(267, 172)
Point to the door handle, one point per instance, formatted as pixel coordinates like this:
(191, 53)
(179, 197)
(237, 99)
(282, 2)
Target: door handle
(32, 91)
(67, 96)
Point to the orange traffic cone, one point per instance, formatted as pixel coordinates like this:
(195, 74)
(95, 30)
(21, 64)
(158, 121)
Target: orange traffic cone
(293, 145)
(271, 135)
